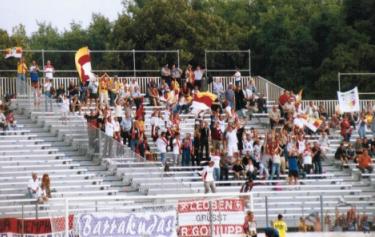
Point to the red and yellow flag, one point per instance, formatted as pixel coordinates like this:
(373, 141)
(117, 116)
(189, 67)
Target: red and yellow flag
(83, 64)
(15, 52)
(202, 101)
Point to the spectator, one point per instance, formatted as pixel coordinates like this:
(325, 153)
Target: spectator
(302, 226)
(283, 99)
(153, 95)
(281, 226)
(238, 169)
(208, 177)
(45, 188)
(205, 134)
(109, 126)
(49, 70)
(362, 126)
(276, 160)
(176, 73)
(198, 77)
(240, 104)
(231, 141)
(215, 157)
(217, 88)
(162, 144)
(21, 76)
(103, 88)
(274, 116)
(47, 95)
(230, 96)
(34, 74)
(346, 130)
(340, 154)
(33, 189)
(237, 77)
(187, 150)
(293, 166)
(224, 169)
(176, 149)
(247, 186)
(261, 104)
(126, 126)
(307, 159)
(249, 226)
(166, 74)
(365, 162)
(271, 232)
(317, 158)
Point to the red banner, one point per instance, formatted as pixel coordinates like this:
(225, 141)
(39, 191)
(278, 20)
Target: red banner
(9, 226)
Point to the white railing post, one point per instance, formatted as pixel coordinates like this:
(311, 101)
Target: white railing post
(66, 217)
(267, 88)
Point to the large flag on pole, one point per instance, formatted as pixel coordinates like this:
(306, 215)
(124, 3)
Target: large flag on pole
(349, 101)
(83, 64)
(15, 52)
(202, 101)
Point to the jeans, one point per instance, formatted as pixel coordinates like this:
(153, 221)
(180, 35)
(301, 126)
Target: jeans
(47, 100)
(217, 174)
(176, 159)
(362, 131)
(133, 144)
(162, 158)
(275, 170)
(317, 167)
(108, 143)
(21, 84)
(185, 157)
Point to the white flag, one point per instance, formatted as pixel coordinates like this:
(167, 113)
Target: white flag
(348, 101)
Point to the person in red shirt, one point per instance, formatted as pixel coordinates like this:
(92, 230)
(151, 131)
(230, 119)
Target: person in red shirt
(346, 130)
(365, 162)
(282, 101)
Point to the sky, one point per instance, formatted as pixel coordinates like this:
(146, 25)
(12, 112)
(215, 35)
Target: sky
(60, 13)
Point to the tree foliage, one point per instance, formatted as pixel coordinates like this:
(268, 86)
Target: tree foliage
(297, 44)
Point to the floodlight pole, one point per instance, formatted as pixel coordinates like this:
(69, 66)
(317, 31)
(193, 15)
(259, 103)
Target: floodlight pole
(249, 62)
(339, 80)
(43, 60)
(205, 62)
(178, 58)
(134, 68)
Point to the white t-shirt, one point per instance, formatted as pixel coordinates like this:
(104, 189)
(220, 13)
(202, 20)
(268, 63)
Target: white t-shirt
(216, 160)
(248, 146)
(33, 185)
(109, 128)
(161, 145)
(118, 110)
(232, 138)
(237, 76)
(49, 71)
(208, 174)
(116, 127)
(307, 159)
(47, 86)
(301, 146)
(198, 74)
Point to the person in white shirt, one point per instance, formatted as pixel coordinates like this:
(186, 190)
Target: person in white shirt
(49, 70)
(176, 149)
(232, 141)
(47, 94)
(217, 88)
(109, 132)
(324, 142)
(215, 157)
(237, 77)
(161, 144)
(248, 145)
(33, 189)
(198, 75)
(208, 178)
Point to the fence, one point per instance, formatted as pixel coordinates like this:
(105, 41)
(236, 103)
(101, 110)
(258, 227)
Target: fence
(331, 105)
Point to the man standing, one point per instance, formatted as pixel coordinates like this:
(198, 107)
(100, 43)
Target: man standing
(281, 226)
(198, 75)
(21, 76)
(237, 77)
(205, 134)
(161, 144)
(208, 177)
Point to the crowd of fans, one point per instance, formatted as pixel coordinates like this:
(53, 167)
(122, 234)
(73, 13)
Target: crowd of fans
(117, 108)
